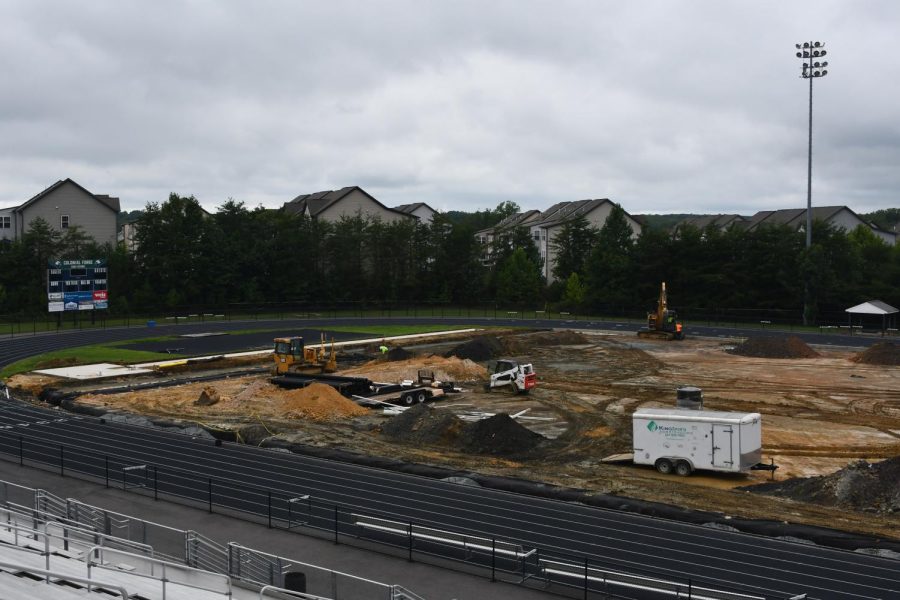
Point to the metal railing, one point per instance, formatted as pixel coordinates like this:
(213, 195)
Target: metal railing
(71, 540)
(277, 509)
(165, 572)
(203, 553)
(259, 567)
(200, 552)
(50, 575)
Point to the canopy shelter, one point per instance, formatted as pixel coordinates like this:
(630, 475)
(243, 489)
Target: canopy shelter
(872, 307)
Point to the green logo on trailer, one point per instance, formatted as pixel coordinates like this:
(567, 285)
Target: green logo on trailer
(652, 426)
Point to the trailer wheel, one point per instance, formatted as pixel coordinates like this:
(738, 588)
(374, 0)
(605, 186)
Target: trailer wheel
(664, 466)
(420, 397)
(408, 399)
(683, 468)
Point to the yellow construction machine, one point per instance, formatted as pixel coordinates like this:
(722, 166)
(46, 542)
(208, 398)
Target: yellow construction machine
(664, 323)
(291, 356)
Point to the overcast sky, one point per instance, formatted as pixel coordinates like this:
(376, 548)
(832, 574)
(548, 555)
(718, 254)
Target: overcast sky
(661, 106)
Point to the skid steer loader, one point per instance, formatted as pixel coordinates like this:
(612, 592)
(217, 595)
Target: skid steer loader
(509, 373)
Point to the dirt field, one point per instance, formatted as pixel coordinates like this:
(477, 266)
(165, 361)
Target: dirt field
(819, 414)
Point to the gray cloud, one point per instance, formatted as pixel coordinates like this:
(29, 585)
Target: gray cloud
(661, 106)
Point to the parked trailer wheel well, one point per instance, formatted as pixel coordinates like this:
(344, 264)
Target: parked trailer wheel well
(664, 466)
(684, 468)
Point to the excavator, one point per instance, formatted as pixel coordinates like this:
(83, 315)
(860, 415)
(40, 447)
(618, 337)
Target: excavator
(291, 356)
(664, 323)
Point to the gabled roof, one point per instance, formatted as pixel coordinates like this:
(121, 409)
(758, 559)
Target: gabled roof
(872, 307)
(109, 202)
(562, 212)
(317, 202)
(518, 219)
(721, 221)
(411, 208)
(795, 216)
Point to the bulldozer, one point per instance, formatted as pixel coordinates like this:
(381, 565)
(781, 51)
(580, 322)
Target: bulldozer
(291, 356)
(662, 324)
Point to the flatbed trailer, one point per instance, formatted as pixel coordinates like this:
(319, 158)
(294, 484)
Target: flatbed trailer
(408, 394)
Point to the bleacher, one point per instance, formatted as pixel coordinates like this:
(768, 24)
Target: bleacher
(51, 552)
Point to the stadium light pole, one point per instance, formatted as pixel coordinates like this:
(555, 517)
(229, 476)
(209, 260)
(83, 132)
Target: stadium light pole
(811, 53)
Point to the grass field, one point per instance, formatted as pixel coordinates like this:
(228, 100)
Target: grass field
(82, 355)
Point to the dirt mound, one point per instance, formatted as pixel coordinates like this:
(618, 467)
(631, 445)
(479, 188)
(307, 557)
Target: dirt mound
(445, 369)
(319, 402)
(422, 424)
(873, 487)
(498, 435)
(525, 343)
(208, 396)
(882, 353)
(395, 354)
(775, 347)
(32, 383)
(481, 348)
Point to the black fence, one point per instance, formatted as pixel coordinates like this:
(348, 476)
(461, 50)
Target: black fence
(502, 560)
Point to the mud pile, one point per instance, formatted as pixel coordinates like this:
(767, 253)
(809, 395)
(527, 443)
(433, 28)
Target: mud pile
(872, 487)
(319, 402)
(423, 425)
(499, 435)
(882, 353)
(479, 349)
(399, 353)
(775, 347)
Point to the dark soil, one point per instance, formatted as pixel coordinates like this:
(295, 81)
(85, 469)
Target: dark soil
(421, 424)
(882, 353)
(487, 347)
(523, 344)
(775, 347)
(399, 354)
(873, 487)
(479, 349)
(499, 435)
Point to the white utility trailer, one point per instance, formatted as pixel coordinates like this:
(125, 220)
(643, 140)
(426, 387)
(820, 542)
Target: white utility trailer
(681, 440)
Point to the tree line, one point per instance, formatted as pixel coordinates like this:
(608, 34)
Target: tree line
(186, 257)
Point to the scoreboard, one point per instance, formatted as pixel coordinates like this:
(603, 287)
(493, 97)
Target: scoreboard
(76, 285)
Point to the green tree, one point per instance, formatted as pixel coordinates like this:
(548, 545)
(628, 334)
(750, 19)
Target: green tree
(886, 218)
(574, 294)
(76, 244)
(458, 274)
(609, 272)
(572, 246)
(519, 280)
(876, 274)
(173, 241)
